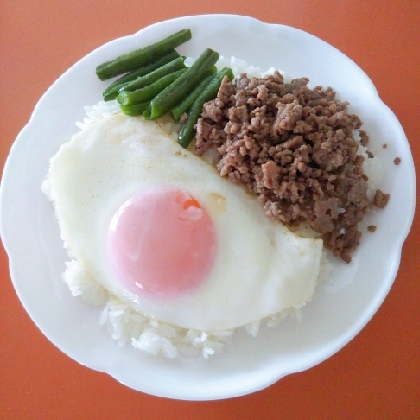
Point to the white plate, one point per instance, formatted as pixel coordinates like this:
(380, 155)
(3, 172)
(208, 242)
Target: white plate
(31, 235)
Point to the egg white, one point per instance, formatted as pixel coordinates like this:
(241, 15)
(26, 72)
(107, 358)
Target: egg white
(261, 268)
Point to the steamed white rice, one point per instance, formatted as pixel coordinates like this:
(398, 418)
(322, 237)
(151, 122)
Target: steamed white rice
(150, 335)
(125, 325)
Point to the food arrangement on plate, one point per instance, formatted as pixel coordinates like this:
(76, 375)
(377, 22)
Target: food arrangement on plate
(196, 219)
(184, 246)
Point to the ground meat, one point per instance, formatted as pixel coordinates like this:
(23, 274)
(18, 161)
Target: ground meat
(364, 138)
(380, 200)
(397, 160)
(294, 148)
(371, 228)
(183, 118)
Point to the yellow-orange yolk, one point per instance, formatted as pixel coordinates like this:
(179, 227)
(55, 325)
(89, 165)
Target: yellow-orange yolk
(162, 242)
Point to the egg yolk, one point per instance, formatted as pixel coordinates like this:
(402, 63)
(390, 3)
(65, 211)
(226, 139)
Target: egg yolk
(162, 242)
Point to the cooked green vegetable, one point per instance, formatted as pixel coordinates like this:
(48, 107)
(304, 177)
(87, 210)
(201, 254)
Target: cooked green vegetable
(142, 56)
(133, 110)
(157, 74)
(209, 93)
(111, 92)
(186, 104)
(180, 89)
(148, 92)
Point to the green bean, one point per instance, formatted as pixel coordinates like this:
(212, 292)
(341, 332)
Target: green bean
(111, 92)
(210, 92)
(142, 56)
(133, 110)
(186, 104)
(150, 91)
(180, 89)
(157, 74)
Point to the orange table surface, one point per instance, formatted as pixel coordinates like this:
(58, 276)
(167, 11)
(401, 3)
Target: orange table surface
(376, 376)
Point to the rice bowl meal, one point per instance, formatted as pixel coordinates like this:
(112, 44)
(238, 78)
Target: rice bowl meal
(115, 155)
(192, 235)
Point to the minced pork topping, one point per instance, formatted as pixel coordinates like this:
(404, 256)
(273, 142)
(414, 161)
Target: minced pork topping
(294, 147)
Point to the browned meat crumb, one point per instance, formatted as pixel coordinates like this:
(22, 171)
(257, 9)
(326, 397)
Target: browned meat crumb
(380, 199)
(183, 118)
(371, 228)
(397, 160)
(294, 148)
(364, 138)
(384, 146)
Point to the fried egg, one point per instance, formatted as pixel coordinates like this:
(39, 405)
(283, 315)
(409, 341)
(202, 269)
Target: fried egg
(162, 231)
